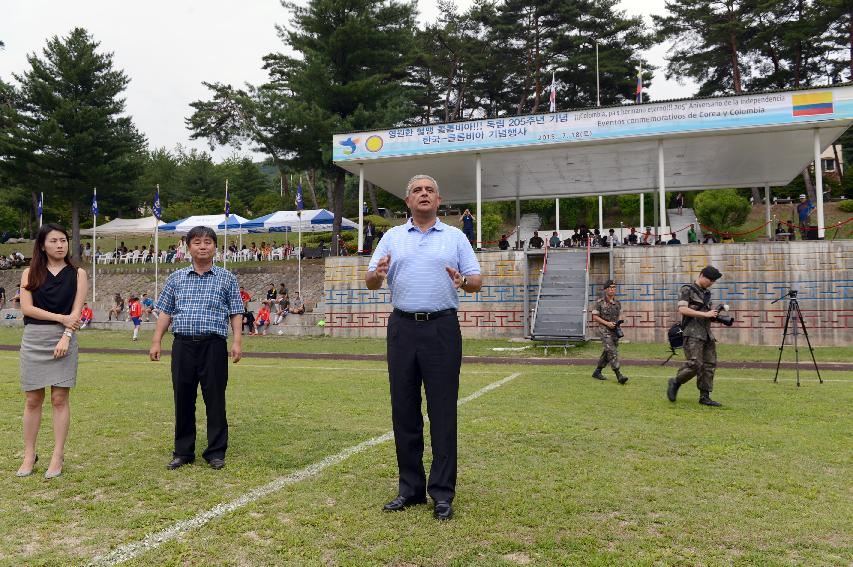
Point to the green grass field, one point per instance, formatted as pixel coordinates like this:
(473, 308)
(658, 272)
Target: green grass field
(555, 469)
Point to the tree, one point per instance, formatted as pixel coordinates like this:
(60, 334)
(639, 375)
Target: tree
(73, 134)
(348, 74)
(709, 41)
(722, 210)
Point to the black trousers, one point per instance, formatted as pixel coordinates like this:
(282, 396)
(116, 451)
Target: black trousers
(428, 352)
(202, 362)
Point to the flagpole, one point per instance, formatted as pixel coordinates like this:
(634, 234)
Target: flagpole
(94, 246)
(299, 257)
(597, 86)
(227, 210)
(299, 206)
(156, 245)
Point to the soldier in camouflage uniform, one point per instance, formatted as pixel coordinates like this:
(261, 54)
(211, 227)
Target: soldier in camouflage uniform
(694, 304)
(605, 312)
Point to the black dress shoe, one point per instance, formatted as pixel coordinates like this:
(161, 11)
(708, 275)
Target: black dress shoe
(401, 503)
(216, 464)
(179, 462)
(443, 510)
(598, 375)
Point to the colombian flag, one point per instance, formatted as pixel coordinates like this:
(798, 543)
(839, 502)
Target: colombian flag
(812, 104)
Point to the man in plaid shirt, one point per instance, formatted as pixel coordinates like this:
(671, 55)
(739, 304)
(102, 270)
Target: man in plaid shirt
(200, 302)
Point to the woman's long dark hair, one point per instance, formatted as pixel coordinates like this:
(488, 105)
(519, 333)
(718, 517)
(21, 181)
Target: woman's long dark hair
(38, 265)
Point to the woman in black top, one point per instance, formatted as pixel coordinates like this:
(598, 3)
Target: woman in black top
(52, 295)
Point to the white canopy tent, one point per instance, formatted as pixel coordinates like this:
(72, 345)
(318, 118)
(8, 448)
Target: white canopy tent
(125, 227)
(310, 220)
(215, 222)
(754, 140)
(120, 227)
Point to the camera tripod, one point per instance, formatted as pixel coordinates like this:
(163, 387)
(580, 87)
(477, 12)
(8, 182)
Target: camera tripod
(794, 311)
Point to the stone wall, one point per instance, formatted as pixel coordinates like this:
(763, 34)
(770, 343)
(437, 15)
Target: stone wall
(650, 279)
(495, 312)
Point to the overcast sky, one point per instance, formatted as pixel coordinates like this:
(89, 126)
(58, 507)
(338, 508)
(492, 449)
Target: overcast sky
(168, 48)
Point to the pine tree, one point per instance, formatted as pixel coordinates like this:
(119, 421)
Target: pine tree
(73, 133)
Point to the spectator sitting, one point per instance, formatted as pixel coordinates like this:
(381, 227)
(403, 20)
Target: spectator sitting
(647, 237)
(780, 232)
(87, 251)
(85, 316)
(249, 321)
(632, 237)
(596, 238)
(673, 240)
(263, 320)
(567, 243)
(611, 238)
(554, 241)
(147, 307)
(117, 308)
(244, 296)
(282, 305)
(297, 307)
(504, 243)
(535, 240)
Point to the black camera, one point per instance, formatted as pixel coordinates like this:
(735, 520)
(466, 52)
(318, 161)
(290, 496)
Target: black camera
(617, 330)
(726, 320)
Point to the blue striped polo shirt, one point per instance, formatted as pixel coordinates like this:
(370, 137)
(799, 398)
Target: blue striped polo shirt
(200, 303)
(417, 276)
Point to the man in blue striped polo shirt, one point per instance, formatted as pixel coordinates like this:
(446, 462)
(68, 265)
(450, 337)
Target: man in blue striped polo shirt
(425, 262)
(201, 302)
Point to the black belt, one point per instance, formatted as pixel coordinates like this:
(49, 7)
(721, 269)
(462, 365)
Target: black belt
(198, 338)
(425, 316)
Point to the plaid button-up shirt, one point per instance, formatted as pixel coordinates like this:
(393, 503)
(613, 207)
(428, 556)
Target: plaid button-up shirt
(200, 303)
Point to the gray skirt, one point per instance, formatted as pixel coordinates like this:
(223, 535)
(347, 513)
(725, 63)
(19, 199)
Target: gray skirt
(38, 367)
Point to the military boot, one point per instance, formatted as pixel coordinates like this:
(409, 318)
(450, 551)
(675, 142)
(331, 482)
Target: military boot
(705, 399)
(621, 378)
(672, 389)
(598, 375)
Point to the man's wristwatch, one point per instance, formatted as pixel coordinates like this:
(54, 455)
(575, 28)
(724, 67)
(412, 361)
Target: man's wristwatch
(68, 333)
(464, 281)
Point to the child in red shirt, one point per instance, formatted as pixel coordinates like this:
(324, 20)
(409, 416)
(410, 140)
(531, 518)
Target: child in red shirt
(263, 318)
(134, 310)
(85, 316)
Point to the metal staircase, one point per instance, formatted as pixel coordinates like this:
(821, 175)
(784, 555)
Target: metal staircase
(561, 306)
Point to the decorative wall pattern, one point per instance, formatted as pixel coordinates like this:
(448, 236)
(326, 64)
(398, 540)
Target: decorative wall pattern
(754, 274)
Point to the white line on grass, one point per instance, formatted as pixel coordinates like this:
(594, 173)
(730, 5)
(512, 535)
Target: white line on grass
(152, 541)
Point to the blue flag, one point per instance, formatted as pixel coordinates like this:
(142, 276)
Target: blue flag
(227, 202)
(41, 196)
(158, 210)
(299, 203)
(95, 202)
